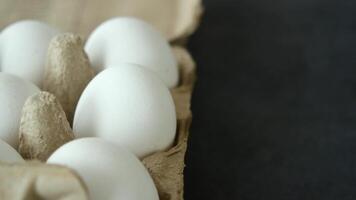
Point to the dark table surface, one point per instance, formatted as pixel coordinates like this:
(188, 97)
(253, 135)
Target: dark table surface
(275, 102)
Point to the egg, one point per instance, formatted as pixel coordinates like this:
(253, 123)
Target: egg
(131, 40)
(13, 93)
(9, 154)
(23, 49)
(109, 171)
(129, 106)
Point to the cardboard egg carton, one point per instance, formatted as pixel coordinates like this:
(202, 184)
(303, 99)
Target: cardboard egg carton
(176, 19)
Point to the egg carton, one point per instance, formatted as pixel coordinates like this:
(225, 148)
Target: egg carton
(166, 168)
(177, 20)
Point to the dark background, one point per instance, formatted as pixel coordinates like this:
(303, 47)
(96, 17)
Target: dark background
(275, 102)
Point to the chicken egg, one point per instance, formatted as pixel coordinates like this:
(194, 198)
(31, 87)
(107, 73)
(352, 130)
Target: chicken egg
(130, 40)
(9, 154)
(109, 171)
(23, 49)
(130, 106)
(13, 93)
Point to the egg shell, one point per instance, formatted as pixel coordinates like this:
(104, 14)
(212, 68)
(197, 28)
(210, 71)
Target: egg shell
(134, 41)
(130, 106)
(9, 154)
(13, 93)
(109, 171)
(24, 47)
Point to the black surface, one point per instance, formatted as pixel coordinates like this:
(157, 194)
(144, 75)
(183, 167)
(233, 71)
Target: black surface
(275, 103)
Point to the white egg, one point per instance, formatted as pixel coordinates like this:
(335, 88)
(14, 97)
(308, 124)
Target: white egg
(24, 47)
(9, 154)
(13, 93)
(109, 171)
(131, 40)
(130, 106)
